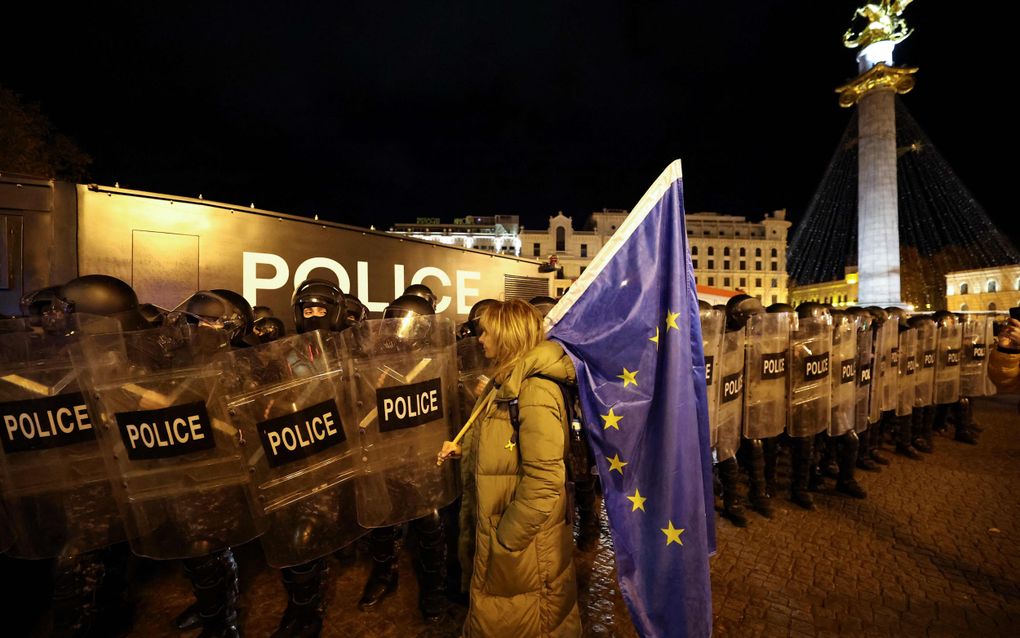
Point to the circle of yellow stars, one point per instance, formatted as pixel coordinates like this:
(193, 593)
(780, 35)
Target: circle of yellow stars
(612, 420)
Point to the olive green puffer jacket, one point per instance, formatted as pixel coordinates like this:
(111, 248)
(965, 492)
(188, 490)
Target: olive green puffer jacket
(515, 546)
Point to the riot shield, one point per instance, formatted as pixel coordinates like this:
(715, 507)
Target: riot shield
(729, 388)
(888, 364)
(301, 453)
(711, 340)
(179, 476)
(865, 359)
(947, 364)
(843, 374)
(810, 387)
(401, 391)
(995, 319)
(55, 483)
(925, 385)
(766, 362)
(472, 373)
(906, 377)
(973, 356)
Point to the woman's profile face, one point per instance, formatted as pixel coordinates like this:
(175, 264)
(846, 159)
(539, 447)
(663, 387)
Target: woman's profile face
(487, 345)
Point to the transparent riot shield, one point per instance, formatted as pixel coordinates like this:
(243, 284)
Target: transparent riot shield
(925, 382)
(179, 476)
(865, 359)
(878, 346)
(906, 377)
(300, 451)
(843, 374)
(401, 388)
(973, 356)
(810, 387)
(888, 364)
(472, 373)
(729, 387)
(766, 363)
(947, 364)
(711, 340)
(54, 483)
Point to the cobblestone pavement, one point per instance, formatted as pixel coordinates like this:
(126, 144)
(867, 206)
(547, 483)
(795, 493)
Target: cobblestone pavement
(933, 551)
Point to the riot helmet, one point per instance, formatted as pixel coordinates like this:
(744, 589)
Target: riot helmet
(406, 328)
(944, 319)
(543, 303)
(780, 307)
(900, 315)
(811, 309)
(262, 311)
(318, 305)
(423, 291)
(152, 314)
(880, 315)
(918, 321)
(864, 318)
(354, 311)
(268, 329)
(97, 295)
(473, 327)
(408, 306)
(34, 303)
(220, 310)
(739, 309)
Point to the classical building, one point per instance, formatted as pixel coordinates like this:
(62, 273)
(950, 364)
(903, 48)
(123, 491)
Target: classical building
(495, 233)
(732, 253)
(840, 293)
(996, 288)
(569, 249)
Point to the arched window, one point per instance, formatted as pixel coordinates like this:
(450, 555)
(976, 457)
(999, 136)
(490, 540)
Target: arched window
(963, 307)
(561, 240)
(711, 250)
(757, 252)
(991, 285)
(991, 306)
(726, 251)
(963, 289)
(774, 253)
(743, 253)
(1018, 283)
(694, 250)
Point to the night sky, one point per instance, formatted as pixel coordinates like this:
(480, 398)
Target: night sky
(373, 113)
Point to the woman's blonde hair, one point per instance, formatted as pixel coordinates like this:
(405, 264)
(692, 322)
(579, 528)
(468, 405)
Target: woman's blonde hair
(514, 327)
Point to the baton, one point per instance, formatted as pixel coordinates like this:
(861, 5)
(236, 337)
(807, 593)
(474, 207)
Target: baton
(474, 415)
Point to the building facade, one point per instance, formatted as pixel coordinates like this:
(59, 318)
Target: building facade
(732, 253)
(569, 249)
(494, 233)
(840, 293)
(996, 288)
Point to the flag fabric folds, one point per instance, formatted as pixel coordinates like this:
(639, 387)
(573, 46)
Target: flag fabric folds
(631, 325)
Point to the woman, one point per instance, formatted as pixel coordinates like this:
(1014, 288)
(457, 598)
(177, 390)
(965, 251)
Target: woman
(1004, 361)
(515, 547)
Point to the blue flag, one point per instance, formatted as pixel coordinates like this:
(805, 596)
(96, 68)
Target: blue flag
(630, 323)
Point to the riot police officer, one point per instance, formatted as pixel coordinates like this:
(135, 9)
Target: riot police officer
(840, 442)
(947, 376)
(318, 305)
(923, 413)
(810, 394)
(427, 530)
(904, 367)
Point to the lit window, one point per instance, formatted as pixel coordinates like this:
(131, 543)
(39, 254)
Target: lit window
(991, 286)
(963, 289)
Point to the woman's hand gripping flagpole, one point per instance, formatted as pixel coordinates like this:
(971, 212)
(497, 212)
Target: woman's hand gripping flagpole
(451, 449)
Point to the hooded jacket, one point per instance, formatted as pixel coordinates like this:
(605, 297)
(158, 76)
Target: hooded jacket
(515, 547)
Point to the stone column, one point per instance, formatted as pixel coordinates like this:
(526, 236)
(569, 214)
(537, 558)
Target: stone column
(878, 236)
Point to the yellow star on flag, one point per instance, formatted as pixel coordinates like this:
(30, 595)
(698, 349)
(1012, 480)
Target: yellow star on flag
(638, 501)
(612, 420)
(628, 377)
(671, 320)
(616, 464)
(655, 338)
(673, 535)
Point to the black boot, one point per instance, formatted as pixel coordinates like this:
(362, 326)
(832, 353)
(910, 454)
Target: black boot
(828, 466)
(801, 452)
(846, 455)
(904, 438)
(917, 430)
(961, 410)
(214, 583)
(382, 581)
(770, 450)
(875, 433)
(815, 480)
(306, 600)
(588, 524)
(864, 461)
(733, 502)
(75, 586)
(754, 463)
(430, 566)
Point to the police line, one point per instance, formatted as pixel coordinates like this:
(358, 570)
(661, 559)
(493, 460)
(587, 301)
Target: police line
(181, 444)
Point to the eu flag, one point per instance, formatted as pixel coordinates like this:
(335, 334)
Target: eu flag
(630, 323)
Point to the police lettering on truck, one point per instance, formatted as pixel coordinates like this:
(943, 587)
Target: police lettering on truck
(46, 423)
